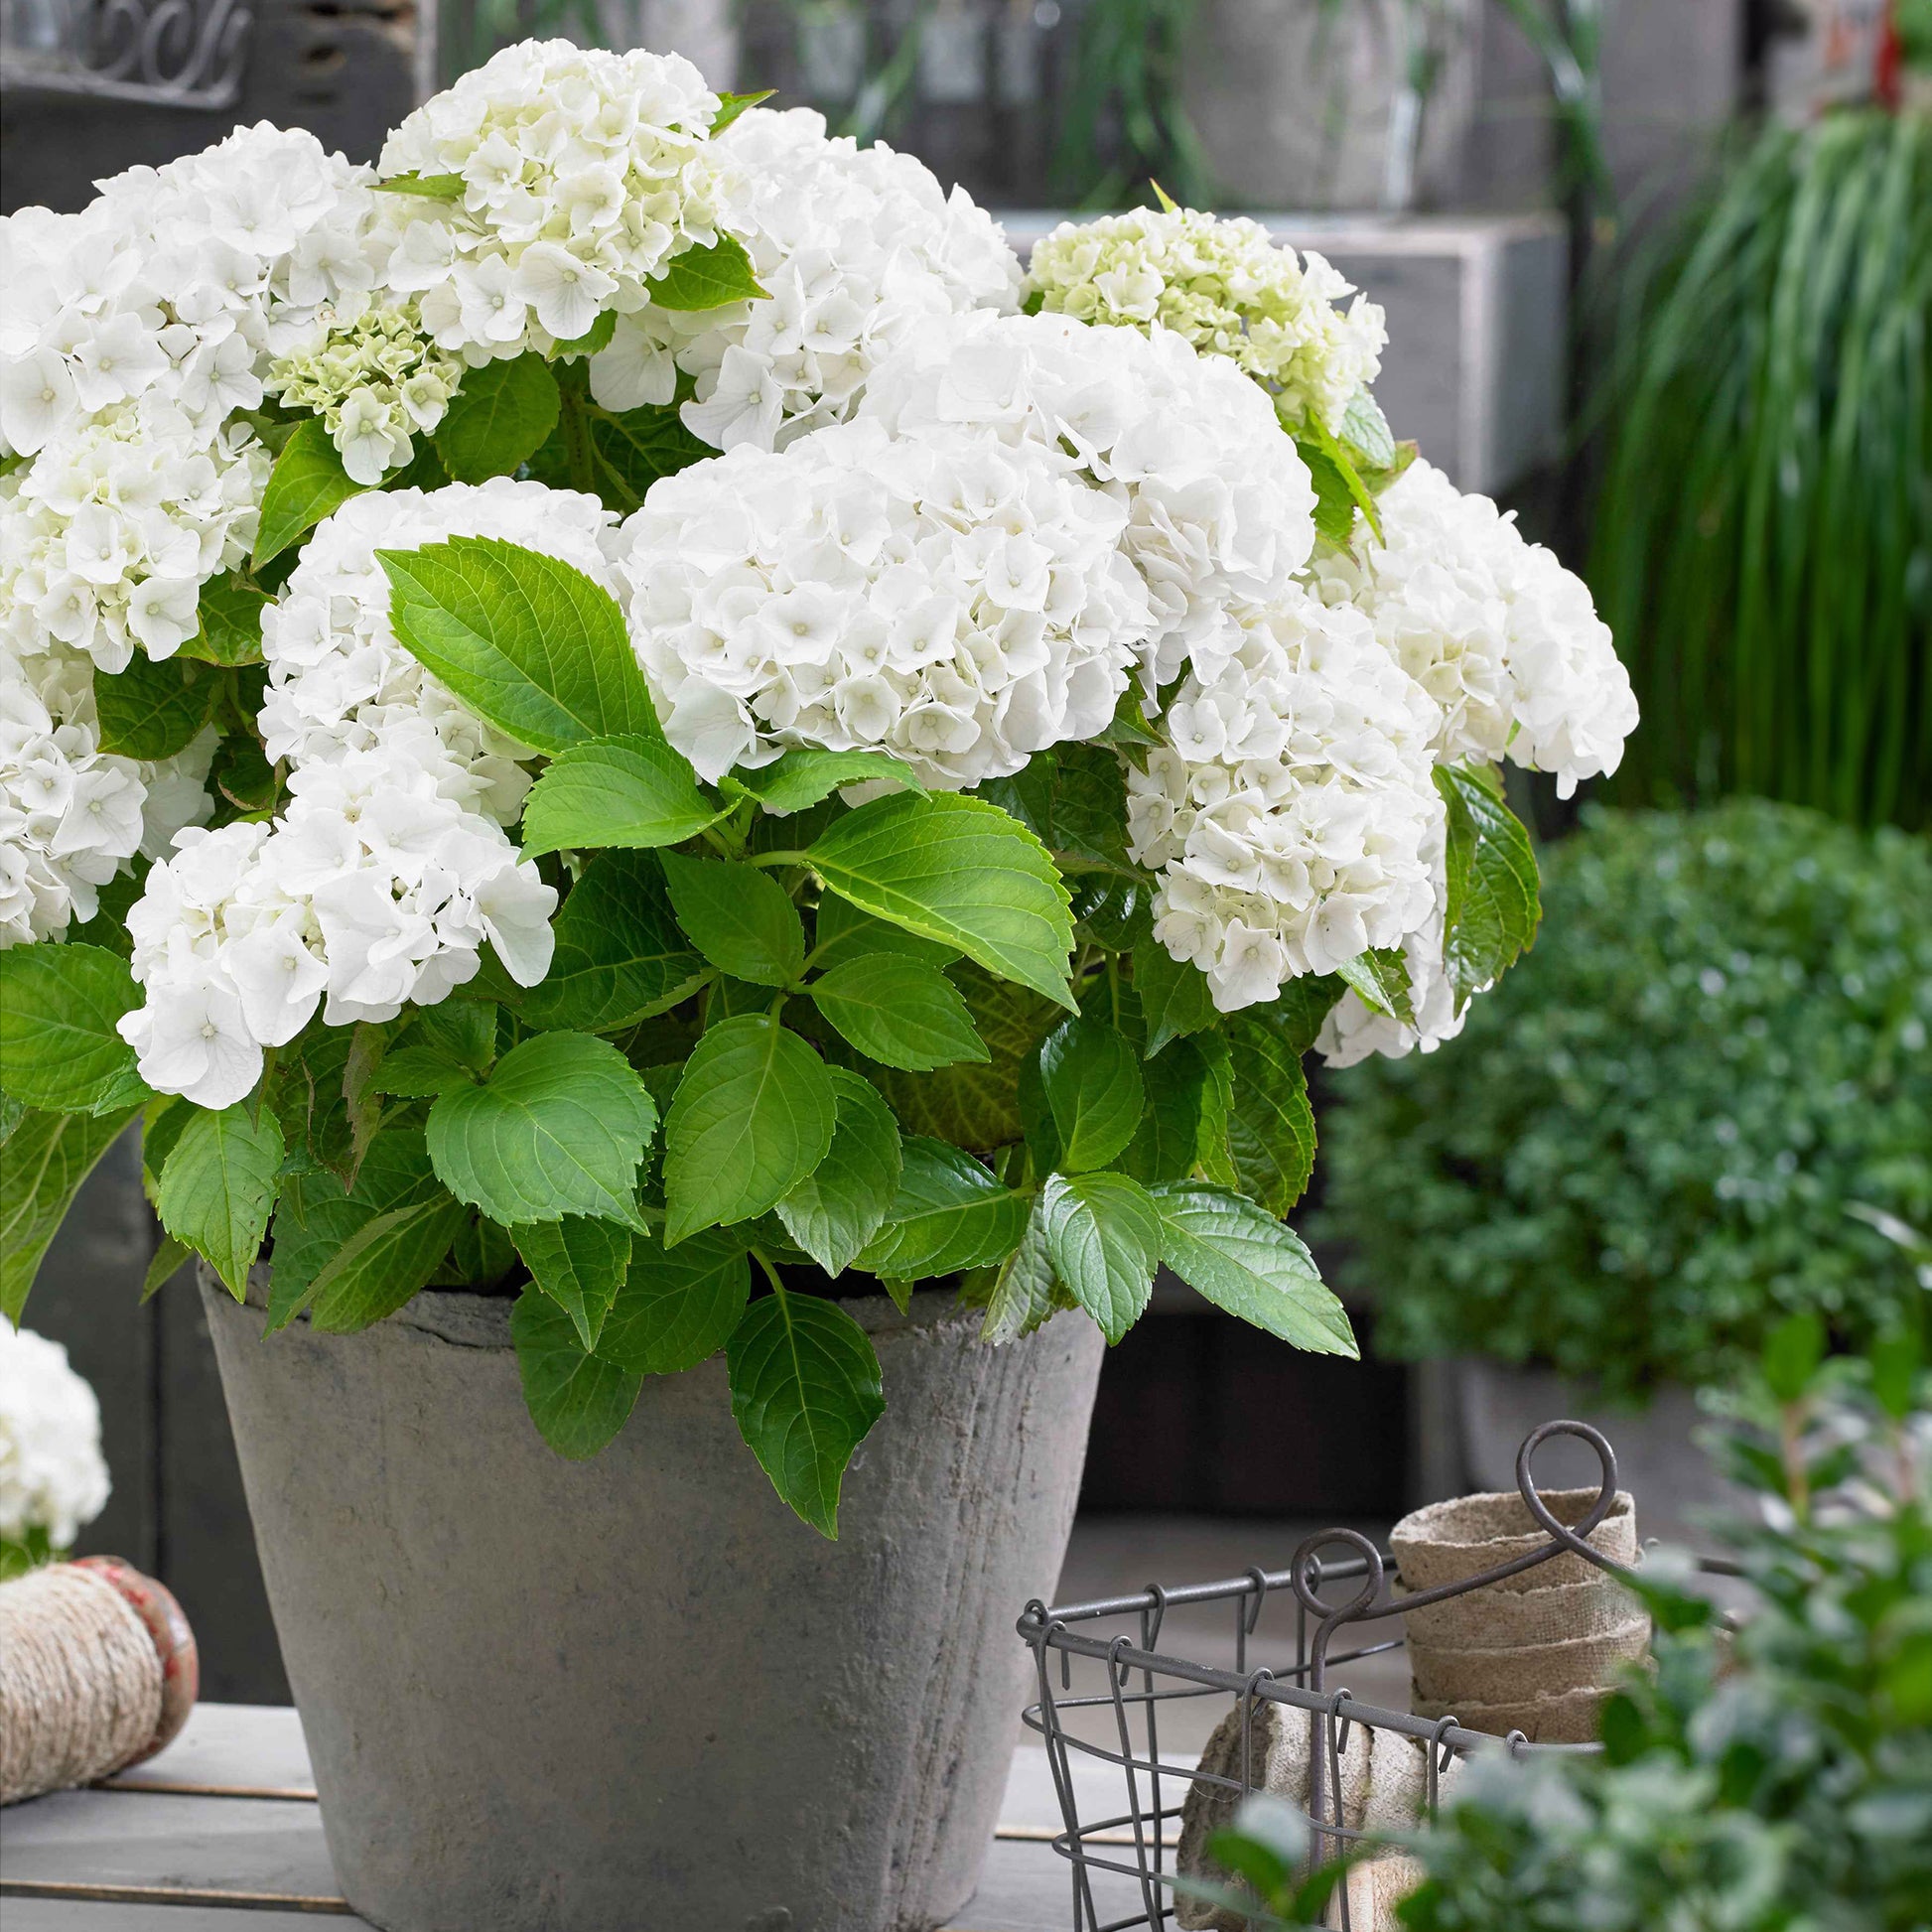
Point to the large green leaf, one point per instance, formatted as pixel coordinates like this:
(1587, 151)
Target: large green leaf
(58, 1051)
(44, 1159)
(1103, 1234)
(803, 777)
(1493, 889)
(381, 1265)
(961, 872)
(632, 451)
(841, 931)
(218, 1187)
(1074, 800)
(1089, 1096)
(497, 418)
(1185, 1114)
(559, 1128)
(1024, 1292)
(1245, 1261)
(838, 1207)
(578, 1401)
(739, 917)
(899, 1012)
(708, 277)
(230, 612)
(620, 957)
(805, 1390)
(1271, 1126)
(154, 710)
(677, 1306)
(532, 644)
(579, 1263)
(618, 791)
(306, 485)
(949, 1213)
(753, 1116)
(1175, 998)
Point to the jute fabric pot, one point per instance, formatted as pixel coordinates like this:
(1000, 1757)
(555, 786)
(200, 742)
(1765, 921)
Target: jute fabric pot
(1448, 1541)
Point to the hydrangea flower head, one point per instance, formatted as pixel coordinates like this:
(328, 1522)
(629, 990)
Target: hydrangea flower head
(52, 1477)
(1224, 286)
(951, 598)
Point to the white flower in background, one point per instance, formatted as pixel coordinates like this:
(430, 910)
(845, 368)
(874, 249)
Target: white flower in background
(584, 173)
(337, 679)
(1353, 1030)
(860, 249)
(1219, 505)
(71, 816)
(52, 1477)
(371, 891)
(1229, 290)
(1292, 819)
(1500, 635)
(953, 599)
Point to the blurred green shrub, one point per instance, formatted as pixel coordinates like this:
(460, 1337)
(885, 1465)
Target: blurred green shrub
(1641, 1152)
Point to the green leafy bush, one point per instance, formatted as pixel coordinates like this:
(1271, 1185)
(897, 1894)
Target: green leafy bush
(1642, 1150)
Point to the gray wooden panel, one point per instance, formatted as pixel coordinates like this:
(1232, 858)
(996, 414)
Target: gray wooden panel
(25, 1914)
(250, 1746)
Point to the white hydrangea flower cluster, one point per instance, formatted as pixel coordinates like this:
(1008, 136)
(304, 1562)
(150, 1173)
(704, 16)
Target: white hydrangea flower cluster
(951, 598)
(1227, 288)
(53, 1477)
(1219, 505)
(339, 681)
(860, 249)
(1504, 638)
(377, 381)
(134, 335)
(583, 172)
(1292, 816)
(71, 816)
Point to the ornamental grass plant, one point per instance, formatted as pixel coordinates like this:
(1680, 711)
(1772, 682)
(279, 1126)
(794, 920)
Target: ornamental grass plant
(615, 711)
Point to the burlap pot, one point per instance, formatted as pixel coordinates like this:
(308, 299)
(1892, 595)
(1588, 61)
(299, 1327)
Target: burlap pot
(1448, 1541)
(1502, 1676)
(1567, 1720)
(1377, 1888)
(1496, 1618)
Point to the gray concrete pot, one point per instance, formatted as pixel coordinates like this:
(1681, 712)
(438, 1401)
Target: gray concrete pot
(635, 1691)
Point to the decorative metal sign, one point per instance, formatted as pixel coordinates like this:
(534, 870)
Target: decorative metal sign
(164, 53)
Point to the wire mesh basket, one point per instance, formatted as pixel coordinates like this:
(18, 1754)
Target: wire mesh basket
(1121, 1801)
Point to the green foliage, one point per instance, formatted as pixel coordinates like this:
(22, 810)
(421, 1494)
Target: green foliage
(218, 1189)
(500, 418)
(898, 1012)
(1760, 537)
(740, 919)
(44, 1159)
(154, 710)
(949, 1213)
(1102, 1233)
(382, 1263)
(803, 777)
(677, 1306)
(230, 610)
(306, 485)
(1492, 908)
(1271, 1125)
(630, 792)
(1641, 1153)
(578, 1401)
(838, 1207)
(708, 277)
(1086, 1093)
(580, 1263)
(58, 1051)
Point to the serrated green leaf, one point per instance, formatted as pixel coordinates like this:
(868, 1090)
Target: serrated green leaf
(1300, 1008)
(949, 1213)
(154, 710)
(708, 277)
(1271, 1125)
(218, 1188)
(620, 955)
(167, 1260)
(559, 1128)
(535, 646)
(306, 485)
(1493, 903)
(840, 931)
(801, 778)
(463, 1030)
(1316, 442)
(230, 612)
(839, 1206)
(437, 187)
(752, 1117)
(381, 1265)
(1073, 800)
(631, 451)
(1103, 1234)
(1180, 1118)
(898, 1012)
(1366, 434)
(1335, 502)
(579, 1263)
(630, 792)
(1245, 1261)
(578, 1401)
(58, 1047)
(730, 106)
(805, 1391)
(497, 418)
(1089, 1096)
(1380, 979)
(677, 1306)
(739, 917)
(420, 1073)
(44, 1159)
(961, 872)
(595, 336)
(1023, 1294)
(1175, 998)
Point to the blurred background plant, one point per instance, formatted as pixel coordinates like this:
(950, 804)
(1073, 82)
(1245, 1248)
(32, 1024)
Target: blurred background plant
(1640, 1154)
(53, 1480)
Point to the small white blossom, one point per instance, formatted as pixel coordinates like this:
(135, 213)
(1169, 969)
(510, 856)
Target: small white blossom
(953, 599)
(53, 1477)
(1229, 290)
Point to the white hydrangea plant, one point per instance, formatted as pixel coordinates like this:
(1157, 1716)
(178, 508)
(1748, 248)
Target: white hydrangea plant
(615, 711)
(52, 1477)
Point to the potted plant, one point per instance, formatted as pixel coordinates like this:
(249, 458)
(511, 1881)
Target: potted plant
(1670, 1134)
(625, 756)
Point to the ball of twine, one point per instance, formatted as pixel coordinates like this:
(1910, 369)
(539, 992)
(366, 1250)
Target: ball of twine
(97, 1670)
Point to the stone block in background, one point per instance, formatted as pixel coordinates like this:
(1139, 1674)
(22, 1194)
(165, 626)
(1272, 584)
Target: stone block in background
(1478, 314)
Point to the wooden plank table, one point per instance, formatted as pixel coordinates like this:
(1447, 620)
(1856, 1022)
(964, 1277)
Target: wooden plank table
(220, 1833)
